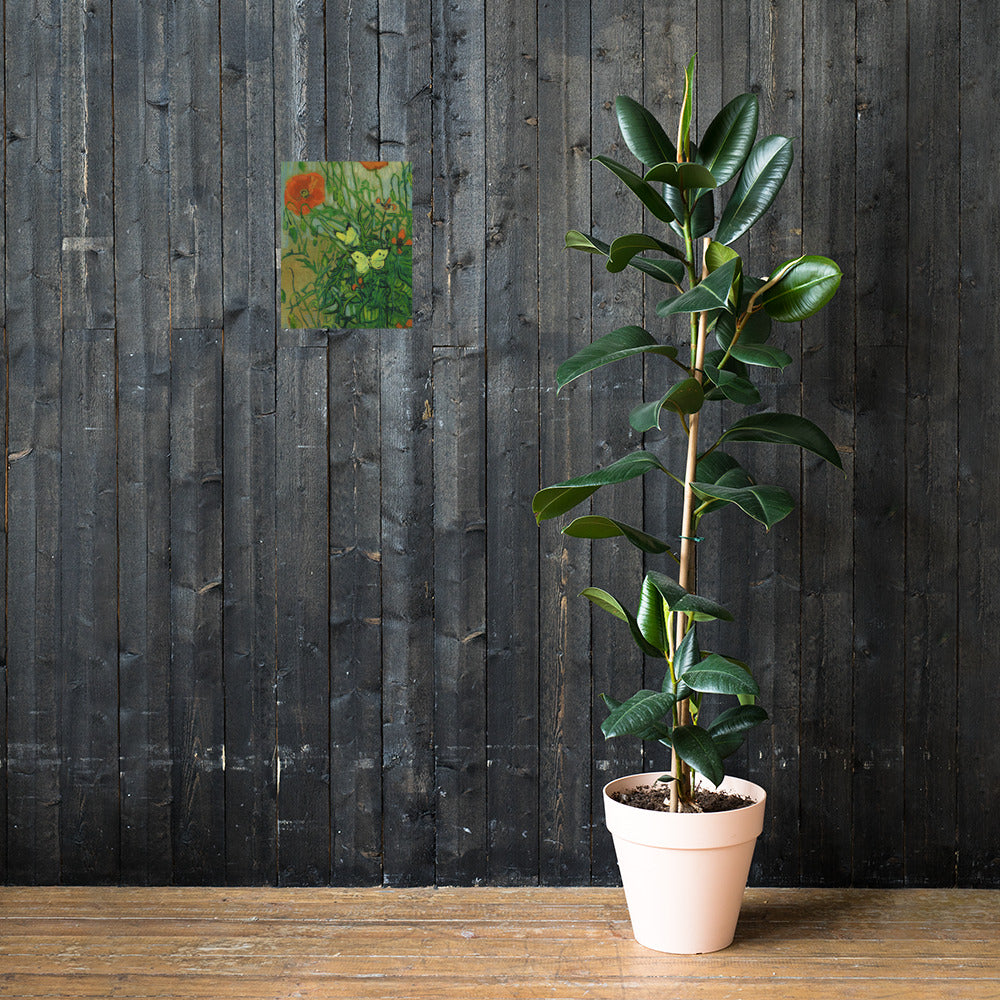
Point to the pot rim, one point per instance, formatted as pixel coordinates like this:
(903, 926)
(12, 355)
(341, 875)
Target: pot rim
(653, 775)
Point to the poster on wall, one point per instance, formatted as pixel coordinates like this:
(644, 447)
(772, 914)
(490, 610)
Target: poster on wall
(346, 245)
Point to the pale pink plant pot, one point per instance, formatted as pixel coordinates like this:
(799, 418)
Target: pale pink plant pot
(684, 873)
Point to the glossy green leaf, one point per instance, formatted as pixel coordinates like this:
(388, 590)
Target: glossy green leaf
(718, 675)
(642, 133)
(712, 293)
(555, 500)
(712, 467)
(695, 747)
(764, 355)
(608, 603)
(687, 655)
(685, 176)
(641, 715)
(718, 254)
(728, 139)
(678, 599)
(763, 174)
(767, 504)
(668, 271)
(683, 397)
(643, 191)
(625, 342)
(803, 290)
(651, 617)
(756, 330)
(784, 428)
(728, 745)
(593, 526)
(703, 216)
(575, 240)
(687, 107)
(624, 249)
(737, 720)
(732, 386)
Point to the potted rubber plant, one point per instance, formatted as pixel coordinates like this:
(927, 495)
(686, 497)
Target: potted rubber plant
(696, 844)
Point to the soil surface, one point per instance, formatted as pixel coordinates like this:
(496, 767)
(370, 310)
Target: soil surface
(657, 798)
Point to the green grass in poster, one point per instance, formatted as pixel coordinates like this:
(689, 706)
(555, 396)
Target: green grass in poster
(346, 245)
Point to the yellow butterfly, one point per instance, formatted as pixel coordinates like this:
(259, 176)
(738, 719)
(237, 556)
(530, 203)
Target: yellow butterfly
(349, 238)
(362, 262)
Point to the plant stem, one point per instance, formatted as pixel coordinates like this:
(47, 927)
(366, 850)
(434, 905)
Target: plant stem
(686, 572)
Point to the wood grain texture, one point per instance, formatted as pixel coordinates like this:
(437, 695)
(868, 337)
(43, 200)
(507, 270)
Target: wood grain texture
(376, 943)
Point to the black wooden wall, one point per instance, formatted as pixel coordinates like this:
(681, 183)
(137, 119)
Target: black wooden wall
(276, 608)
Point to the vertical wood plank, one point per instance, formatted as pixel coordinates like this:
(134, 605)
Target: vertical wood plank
(879, 462)
(512, 440)
(565, 444)
(302, 478)
(3, 534)
(407, 472)
(827, 498)
(248, 236)
(932, 598)
(616, 300)
(771, 584)
(142, 292)
(88, 629)
(355, 489)
(979, 458)
(87, 259)
(32, 218)
(195, 190)
(458, 276)
(197, 720)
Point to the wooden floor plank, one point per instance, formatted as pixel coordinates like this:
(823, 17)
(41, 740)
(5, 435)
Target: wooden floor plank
(228, 944)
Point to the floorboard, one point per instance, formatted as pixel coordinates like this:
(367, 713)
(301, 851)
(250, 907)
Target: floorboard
(237, 944)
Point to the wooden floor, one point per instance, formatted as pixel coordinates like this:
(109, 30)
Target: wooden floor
(474, 944)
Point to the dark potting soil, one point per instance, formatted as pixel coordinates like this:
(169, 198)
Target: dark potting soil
(657, 798)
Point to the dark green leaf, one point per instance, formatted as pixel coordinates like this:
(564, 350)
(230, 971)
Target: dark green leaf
(684, 397)
(623, 249)
(668, 271)
(712, 293)
(608, 603)
(593, 526)
(678, 599)
(729, 138)
(784, 428)
(686, 176)
(643, 191)
(684, 134)
(695, 747)
(756, 330)
(718, 675)
(727, 745)
(625, 342)
(651, 617)
(642, 133)
(718, 254)
(803, 290)
(687, 655)
(641, 715)
(760, 180)
(767, 504)
(734, 387)
(703, 216)
(764, 356)
(737, 720)
(576, 240)
(715, 465)
(555, 500)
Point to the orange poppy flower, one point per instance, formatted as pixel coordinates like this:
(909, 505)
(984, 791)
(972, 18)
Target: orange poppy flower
(409, 322)
(402, 234)
(373, 164)
(304, 192)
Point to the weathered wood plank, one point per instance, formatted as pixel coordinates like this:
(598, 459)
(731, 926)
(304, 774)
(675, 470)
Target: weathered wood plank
(512, 440)
(248, 420)
(616, 300)
(3, 534)
(33, 237)
(932, 417)
(195, 194)
(827, 498)
(355, 491)
(565, 445)
(303, 668)
(879, 461)
(197, 721)
(458, 294)
(142, 301)
(978, 769)
(770, 574)
(88, 628)
(87, 259)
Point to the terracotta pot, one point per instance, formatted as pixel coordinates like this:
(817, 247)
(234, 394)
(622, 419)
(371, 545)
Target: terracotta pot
(684, 873)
